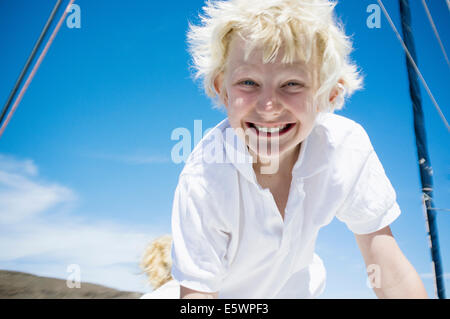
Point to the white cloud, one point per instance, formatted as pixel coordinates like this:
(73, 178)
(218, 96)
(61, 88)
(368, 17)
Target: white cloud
(131, 159)
(10, 164)
(41, 234)
(22, 198)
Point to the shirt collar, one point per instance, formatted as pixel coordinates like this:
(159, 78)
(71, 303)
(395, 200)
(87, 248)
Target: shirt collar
(314, 155)
(237, 153)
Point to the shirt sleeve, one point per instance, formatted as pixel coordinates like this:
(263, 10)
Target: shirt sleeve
(371, 203)
(199, 234)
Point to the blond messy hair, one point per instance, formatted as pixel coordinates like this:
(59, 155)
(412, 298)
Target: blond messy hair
(306, 29)
(156, 261)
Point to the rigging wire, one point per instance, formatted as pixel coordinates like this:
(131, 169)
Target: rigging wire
(416, 68)
(29, 60)
(35, 68)
(436, 33)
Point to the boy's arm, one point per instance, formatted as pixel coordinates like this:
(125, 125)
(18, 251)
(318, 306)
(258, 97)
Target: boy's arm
(187, 293)
(397, 277)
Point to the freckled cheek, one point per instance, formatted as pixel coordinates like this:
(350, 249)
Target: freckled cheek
(298, 105)
(241, 103)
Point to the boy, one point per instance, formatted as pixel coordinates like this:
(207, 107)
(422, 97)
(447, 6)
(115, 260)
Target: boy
(244, 225)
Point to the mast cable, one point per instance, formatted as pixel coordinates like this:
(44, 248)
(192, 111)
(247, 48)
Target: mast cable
(436, 105)
(436, 33)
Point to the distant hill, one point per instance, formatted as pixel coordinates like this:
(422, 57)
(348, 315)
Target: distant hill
(19, 285)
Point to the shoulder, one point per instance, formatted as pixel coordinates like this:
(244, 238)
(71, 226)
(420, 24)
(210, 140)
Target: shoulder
(348, 148)
(343, 133)
(207, 165)
(210, 145)
(207, 187)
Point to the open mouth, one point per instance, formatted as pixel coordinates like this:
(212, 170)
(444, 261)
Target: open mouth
(270, 131)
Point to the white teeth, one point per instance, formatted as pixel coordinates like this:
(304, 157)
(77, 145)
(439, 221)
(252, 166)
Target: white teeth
(270, 129)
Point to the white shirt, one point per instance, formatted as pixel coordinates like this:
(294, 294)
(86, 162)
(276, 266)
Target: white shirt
(228, 234)
(170, 290)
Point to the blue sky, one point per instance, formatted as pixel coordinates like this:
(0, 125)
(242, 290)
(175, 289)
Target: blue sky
(86, 175)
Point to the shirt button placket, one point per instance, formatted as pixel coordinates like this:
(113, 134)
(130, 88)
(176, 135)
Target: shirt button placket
(293, 220)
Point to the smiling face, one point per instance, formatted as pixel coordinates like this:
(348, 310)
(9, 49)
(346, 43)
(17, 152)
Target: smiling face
(271, 102)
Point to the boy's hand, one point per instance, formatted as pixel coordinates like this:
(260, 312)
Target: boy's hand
(187, 293)
(397, 277)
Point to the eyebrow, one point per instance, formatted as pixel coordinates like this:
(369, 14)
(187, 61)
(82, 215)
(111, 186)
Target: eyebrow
(300, 66)
(295, 64)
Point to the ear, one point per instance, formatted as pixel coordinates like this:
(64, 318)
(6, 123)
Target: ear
(219, 88)
(338, 89)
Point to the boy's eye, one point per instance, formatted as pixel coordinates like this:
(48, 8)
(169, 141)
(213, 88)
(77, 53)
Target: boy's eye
(293, 84)
(248, 83)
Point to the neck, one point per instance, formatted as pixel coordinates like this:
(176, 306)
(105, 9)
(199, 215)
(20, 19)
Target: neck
(281, 165)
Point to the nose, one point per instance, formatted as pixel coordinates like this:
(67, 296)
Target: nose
(268, 105)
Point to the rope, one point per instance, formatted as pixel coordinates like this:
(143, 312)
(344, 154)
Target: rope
(35, 68)
(436, 33)
(436, 105)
